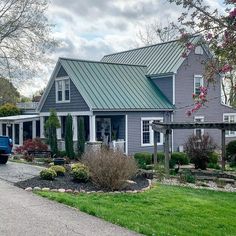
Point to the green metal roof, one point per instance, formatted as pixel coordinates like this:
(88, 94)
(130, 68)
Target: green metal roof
(110, 86)
(160, 58)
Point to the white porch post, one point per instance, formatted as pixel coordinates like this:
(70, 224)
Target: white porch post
(126, 134)
(59, 129)
(21, 133)
(7, 130)
(1, 128)
(92, 128)
(13, 133)
(34, 129)
(41, 126)
(75, 128)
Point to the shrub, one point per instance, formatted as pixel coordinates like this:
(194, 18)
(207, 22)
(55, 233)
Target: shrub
(187, 176)
(60, 170)
(198, 150)
(9, 109)
(32, 145)
(109, 169)
(48, 174)
(69, 137)
(213, 166)
(231, 152)
(180, 157)
(143, 159)
(160, 157)
(80, 172)
(213, 157)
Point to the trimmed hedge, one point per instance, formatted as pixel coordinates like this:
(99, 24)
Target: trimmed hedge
(80, 172)
(60, 170)
(48, 174)
(143, 159)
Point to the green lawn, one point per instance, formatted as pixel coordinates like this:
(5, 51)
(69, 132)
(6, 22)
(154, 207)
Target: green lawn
(164, 210)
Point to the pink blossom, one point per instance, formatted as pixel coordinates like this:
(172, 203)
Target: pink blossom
(232, 14)
(203, 90)
(209, 36)
(226, 68)
(189, 46)
(188, 113)
(184, 55)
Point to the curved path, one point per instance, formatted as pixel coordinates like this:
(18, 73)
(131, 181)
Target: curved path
(24, 213)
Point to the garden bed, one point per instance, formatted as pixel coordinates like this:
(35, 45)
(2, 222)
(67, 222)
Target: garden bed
(66, 182)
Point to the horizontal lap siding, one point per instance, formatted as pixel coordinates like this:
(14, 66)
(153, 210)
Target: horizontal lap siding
(134, 131)
(76, 103)
(212, 112)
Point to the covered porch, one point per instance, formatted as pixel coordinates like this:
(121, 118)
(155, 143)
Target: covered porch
(109, 130)
(20, 128)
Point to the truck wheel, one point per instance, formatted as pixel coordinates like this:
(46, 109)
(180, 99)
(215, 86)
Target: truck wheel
(3, 160)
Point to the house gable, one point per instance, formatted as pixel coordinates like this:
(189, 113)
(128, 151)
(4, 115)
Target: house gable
(76, 102)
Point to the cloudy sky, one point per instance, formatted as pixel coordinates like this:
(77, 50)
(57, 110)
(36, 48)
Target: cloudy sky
(89, 29)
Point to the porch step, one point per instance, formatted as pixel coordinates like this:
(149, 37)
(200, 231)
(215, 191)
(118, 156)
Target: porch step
(226, 180)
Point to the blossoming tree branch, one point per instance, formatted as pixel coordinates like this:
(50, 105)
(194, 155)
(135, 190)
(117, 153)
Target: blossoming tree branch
(218, 30)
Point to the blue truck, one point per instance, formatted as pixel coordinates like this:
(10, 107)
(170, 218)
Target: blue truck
(5, 149)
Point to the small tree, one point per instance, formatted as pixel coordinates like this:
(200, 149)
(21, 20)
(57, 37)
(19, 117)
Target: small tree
(81, 136)
(9, 109)
(69, 137)
(199, 150)
(51, 126)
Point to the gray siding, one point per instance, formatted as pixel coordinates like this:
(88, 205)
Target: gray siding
(76, 103)
(134, 128)
(212, 112)
(165, 84)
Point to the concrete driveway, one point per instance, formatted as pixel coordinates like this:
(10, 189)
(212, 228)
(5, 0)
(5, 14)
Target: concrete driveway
(24, 213)
(15, 172)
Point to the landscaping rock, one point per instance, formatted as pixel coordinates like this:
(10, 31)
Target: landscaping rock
(37, 188)
(69, 191)
(45, 189)
(226, 180)
(61, 190)
(54, 190)
(29, 189)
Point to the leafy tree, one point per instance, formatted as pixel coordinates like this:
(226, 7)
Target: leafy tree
(51, 126)
(69, 137)
(8, 93)
(25, 37)
(218, 29)
(9, 109)
(81, 136)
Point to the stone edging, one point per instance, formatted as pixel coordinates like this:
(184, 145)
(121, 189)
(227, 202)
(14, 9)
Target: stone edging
(62, 190)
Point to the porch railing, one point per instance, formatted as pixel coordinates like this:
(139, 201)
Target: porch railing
(27, 105)
(118, 145)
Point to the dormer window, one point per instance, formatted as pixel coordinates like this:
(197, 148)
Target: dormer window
(62, 89)
(198, 82)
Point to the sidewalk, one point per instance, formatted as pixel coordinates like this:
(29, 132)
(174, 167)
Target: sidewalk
(24, 213)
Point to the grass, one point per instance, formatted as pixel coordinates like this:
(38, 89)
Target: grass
(164, 210)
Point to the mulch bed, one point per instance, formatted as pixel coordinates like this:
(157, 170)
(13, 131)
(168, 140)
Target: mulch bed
(66, 182)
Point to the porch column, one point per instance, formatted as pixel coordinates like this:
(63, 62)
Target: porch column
(13, 133)
(42, 127)
(126, 134)
(75, 128)
(0, 128)
(7, 129)
(59, 129)
(21, 133)
(223, 149)
(92, 128)
(34, 129)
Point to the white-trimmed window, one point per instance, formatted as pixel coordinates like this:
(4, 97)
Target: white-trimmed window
(198, 82)
(147, 138)
(230, 118)
(199, 132)
(62, 89)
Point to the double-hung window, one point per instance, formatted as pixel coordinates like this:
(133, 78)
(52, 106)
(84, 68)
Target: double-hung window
(62, 89)
(147, 132)
(230, 118)
(199, 132)
(198, 82)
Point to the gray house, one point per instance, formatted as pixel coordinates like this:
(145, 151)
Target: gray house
(121, 95)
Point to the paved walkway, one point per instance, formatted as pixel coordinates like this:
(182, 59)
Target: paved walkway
(26, 214)
(15, 172)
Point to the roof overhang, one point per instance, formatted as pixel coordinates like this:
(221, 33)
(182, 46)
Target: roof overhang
(19, 118)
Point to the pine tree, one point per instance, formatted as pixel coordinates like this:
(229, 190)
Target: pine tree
(81, 135)
(69, 137)
(51, 126)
